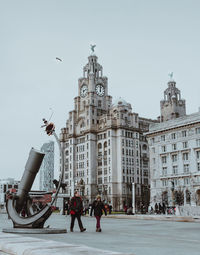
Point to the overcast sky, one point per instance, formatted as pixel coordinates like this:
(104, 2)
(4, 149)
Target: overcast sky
(138, 43)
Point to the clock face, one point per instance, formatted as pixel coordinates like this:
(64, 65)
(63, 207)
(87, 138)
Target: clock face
(84, 90)
(100, 90)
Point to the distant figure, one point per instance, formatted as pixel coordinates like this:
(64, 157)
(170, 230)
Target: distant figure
(160, 208)
(125, 209)
(98, 206)
(110, 209)
(130, 211)
(164, 208)
(76, 209)
(156, 208)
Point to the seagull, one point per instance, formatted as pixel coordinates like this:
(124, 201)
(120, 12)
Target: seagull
(59, 59)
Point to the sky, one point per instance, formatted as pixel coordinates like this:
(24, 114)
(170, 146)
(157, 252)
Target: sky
(139, 42)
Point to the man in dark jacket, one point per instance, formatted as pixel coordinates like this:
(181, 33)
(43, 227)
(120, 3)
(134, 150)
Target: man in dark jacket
(76, 209)
(98, 207)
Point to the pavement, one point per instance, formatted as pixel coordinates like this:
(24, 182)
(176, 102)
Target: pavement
(125, 234)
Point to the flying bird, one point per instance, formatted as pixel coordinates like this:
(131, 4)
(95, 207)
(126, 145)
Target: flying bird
(59, 59)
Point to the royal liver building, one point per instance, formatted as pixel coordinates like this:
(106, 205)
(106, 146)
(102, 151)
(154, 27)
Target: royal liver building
(105, 150)
(175, 153)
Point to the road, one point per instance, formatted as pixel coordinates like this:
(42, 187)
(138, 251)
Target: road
(141, 237)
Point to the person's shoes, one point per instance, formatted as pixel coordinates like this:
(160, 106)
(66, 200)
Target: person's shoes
(83, 229)
(71, 230)
(99, 229)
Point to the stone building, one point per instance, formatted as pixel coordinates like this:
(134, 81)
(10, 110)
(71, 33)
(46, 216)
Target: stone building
(174, 146)
(105, 150)
(47, 167)
(5, 185)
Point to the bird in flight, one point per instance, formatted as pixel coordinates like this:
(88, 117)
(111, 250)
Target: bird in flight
(59, 59)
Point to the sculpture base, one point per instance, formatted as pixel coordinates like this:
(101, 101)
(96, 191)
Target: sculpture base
(34, 230)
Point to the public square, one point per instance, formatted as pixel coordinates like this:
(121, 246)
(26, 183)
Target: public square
(140, 237)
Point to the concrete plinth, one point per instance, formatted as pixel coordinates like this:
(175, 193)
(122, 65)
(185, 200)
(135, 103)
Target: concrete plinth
(34, 230)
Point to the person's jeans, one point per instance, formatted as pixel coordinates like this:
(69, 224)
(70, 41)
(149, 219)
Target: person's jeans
(73, 217)
(98, 218)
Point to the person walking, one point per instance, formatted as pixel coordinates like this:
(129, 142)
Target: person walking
(98, 207)
(76, 209)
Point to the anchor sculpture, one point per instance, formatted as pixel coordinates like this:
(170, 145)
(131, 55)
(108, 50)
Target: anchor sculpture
(20, 204)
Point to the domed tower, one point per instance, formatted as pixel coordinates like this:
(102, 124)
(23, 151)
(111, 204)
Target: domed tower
(172, 106)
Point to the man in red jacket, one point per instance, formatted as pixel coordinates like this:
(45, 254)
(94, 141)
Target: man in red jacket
(76, 209)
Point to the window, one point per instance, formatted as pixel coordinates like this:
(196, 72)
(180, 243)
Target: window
(185, 145)
(186, 168)
(184, 133)
(164, 160)
(197, 130)
(163, 138)
(198, 166)
(186, 181)
(198, 142)
(164, 171)
(174, 157)
(198, 154)
(174, 147)
(185, 156)
(175, 169)
(173, 136)
(99, 180)
(164, 183)
(163, 148)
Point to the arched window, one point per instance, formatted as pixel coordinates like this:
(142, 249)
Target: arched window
(144, 147)
(99, 146)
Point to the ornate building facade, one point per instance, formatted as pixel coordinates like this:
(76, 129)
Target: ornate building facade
(174, 146)
(105, 149)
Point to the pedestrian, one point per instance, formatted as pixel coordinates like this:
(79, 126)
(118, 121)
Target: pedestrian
(164, 208)
(160, 208)
(98, 207)
(156, 208)
(76, 209)
(110, 209)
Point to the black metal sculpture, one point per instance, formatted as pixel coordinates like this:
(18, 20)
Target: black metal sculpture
(20, 204)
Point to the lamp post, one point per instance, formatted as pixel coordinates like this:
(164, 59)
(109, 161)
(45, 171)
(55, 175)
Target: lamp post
(133, 197)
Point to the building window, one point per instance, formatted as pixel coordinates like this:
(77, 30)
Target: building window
(185, 156)
(164, 183)
(164, 160)
(99, 180)
(184, 133)
(173, 136)
(174, 147)
(163, 148)
(198, 166)
(186, 181)
(186, 168)
(197, 130)
(175, 169)
(198, 154)
(185, 145)
(174, 158)
(164, 171)
(198, 142)
(162, 138)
